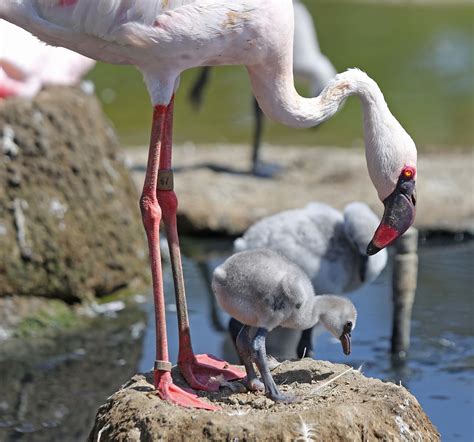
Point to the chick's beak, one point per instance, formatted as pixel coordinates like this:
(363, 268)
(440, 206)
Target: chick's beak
(398, 216)
(346, 343)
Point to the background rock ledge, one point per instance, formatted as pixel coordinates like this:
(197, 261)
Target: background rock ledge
(212, 201)
(352, 408)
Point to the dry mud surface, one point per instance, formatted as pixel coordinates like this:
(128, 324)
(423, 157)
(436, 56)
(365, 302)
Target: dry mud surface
(352, 408)
(212, 201)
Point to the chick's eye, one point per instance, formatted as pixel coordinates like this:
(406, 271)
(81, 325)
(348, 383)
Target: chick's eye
(348, 328)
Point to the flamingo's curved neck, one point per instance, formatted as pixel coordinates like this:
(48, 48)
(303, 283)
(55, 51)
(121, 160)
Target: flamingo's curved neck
(278, 98)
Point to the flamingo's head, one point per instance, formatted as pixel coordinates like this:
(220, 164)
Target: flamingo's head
(392, 162)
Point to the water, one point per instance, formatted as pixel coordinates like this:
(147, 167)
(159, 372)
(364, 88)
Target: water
(422, 56)
(439, 371)
(51, 388)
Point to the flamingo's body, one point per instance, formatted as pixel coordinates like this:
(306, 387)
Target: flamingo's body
(163, 38)
(27, 64)
(310, 65)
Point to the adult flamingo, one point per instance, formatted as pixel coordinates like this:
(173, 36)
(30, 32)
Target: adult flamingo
(309, 65)
(164, 38)
(27, 64)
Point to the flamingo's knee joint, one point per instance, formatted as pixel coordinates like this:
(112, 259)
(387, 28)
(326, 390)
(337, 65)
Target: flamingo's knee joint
(151, 210)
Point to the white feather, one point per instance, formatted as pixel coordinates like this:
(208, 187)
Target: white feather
(305, 432)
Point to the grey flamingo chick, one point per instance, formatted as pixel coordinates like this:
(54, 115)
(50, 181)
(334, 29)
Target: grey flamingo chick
(328, 245)
(263, 289)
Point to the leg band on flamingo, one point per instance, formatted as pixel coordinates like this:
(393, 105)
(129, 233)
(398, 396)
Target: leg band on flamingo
(202, 372)
(163, 366)
(165, 179)
(151, 216)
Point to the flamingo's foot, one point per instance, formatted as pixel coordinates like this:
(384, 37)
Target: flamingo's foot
(168, 391)
(284, 398)
(206, 372)
(255, 385)
(261, 169)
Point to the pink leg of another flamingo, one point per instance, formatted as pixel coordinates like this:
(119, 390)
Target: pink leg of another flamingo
(202, 372)
(151, 216)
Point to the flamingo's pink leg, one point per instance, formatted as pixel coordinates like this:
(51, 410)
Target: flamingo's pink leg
(151, 216)
(202, 372)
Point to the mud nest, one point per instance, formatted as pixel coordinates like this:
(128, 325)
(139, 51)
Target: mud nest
(351, 408)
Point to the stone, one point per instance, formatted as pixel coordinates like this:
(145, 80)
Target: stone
(213, 201)
(351, 408)
(70, 224)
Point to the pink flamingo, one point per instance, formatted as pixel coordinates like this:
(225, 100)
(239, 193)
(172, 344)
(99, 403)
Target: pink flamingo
(26, 63)
(165, 37)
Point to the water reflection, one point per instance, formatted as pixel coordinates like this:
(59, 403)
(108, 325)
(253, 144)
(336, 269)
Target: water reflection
(439, 370)
(50, 389)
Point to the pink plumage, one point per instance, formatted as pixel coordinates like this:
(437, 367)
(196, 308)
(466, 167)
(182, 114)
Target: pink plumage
(27, 64)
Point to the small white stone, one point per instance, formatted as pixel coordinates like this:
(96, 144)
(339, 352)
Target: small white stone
(9, 146)
(134, 435)
(57, 208)
(87, 87)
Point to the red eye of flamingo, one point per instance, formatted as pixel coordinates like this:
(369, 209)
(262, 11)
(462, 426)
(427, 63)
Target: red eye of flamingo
(408, 172)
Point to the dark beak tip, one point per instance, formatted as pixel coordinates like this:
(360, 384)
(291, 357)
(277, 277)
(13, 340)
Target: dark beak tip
(346, 344)
(372, 249)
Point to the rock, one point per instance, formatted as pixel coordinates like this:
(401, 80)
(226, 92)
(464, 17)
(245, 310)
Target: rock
(69, 216)
(35, 316)
(351, 408)
(213, 202)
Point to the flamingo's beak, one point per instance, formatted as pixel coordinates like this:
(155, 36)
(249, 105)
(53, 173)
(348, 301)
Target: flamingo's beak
(346, 343)
(398, 215)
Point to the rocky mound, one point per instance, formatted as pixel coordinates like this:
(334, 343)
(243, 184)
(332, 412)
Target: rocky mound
(350, 408)
(69, 217)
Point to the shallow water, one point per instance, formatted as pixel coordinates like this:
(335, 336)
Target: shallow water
(440, 367)
(51, 388)
(422, 56)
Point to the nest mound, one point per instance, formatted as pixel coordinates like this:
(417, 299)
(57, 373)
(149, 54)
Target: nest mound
(351, 408)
